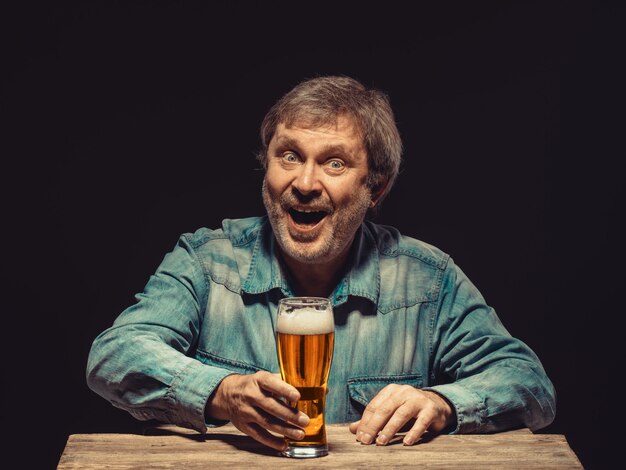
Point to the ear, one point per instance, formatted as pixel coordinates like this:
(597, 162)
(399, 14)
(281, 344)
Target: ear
(377, 191)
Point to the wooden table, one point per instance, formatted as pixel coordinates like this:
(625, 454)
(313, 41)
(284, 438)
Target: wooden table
(226, 447)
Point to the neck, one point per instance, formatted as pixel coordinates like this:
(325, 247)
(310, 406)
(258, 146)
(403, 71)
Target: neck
(315, 279)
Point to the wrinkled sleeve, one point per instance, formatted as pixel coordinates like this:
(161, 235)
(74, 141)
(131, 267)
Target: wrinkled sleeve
(494, 381)
(140, 365)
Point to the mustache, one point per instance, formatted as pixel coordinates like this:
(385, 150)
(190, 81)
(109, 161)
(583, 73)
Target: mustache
(290, 200)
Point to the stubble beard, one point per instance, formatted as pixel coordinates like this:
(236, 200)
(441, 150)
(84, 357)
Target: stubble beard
(338, 234)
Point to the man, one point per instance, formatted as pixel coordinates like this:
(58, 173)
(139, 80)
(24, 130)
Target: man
(416, 346)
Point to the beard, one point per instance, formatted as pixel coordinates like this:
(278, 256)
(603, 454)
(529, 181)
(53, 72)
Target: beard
(316, 246)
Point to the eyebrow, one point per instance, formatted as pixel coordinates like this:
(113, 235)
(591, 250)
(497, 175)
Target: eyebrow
(286, 142)
(282, 142)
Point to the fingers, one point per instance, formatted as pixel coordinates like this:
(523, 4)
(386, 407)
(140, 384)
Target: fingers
(278, 409)
(419, 428)
(256, 407)
(395, 406)
(399, 418)
(271, 423)
(275, 386)
(354, 426)
(376, 414)
(261, 435)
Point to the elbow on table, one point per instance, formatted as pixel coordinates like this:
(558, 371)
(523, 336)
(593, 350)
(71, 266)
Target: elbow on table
(100, 372)
(545, 411)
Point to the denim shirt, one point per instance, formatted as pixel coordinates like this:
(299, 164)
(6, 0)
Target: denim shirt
(404, 314)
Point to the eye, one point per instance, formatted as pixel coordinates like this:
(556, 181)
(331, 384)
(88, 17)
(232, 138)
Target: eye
(290, 157)
(336, 164)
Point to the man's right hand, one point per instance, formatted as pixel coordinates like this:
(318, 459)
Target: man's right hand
(253, 404)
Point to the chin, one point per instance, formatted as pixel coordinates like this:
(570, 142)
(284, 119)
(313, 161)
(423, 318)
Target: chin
(308, 255)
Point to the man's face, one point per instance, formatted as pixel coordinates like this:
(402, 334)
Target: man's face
(315, 189)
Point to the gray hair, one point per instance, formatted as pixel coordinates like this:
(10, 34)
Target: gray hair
(320, 101)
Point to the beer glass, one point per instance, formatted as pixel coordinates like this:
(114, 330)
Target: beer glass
(305, 338)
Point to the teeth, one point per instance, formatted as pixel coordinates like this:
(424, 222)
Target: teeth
(307, 211)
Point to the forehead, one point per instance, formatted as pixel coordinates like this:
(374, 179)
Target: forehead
(343, 129)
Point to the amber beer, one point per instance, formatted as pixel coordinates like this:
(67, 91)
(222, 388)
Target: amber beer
(305, 342)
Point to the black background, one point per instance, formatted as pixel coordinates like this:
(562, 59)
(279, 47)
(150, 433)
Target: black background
(125, 124)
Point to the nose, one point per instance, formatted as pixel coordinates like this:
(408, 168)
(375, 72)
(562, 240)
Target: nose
(307, 181)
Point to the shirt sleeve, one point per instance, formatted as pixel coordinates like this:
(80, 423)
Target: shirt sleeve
(140, 364)
(494, 381)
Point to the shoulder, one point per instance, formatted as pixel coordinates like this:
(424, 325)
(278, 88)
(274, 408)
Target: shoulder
(225, 253)
(392, 244)
(411, 271)
(233, 232)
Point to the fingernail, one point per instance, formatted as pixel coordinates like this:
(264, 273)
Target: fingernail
(366, 438)
(303, 420)
(409, 441)
(381, 440)
(299, 435)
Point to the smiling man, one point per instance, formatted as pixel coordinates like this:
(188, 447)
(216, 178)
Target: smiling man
(316, 197)
(416, 345)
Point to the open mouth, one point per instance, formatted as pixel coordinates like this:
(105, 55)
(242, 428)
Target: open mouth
(307, 218)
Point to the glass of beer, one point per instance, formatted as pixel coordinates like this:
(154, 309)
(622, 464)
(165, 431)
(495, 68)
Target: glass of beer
(305, 338)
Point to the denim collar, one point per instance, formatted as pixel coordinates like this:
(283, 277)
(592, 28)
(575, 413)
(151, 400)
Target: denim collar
(362, 277)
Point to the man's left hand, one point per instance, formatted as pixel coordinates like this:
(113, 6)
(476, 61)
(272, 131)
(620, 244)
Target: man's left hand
(394, 406)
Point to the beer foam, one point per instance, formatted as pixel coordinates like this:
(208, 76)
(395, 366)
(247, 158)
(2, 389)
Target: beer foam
(306, 321)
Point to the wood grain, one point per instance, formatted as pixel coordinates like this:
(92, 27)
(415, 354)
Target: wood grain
(169, 447)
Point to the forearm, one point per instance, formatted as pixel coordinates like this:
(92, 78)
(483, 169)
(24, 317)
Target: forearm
(494, 381)
(138, 372)
(502, 397)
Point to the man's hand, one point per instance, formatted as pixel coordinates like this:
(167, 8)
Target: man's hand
(253, 404)
(394, 406)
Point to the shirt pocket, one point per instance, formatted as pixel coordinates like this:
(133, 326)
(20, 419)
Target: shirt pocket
(361, 390)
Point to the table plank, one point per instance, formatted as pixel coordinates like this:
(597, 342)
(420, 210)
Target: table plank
(173, 447)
